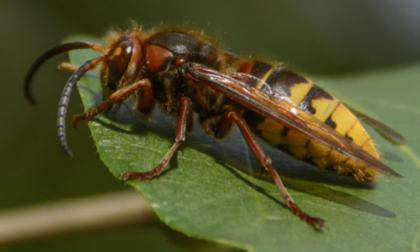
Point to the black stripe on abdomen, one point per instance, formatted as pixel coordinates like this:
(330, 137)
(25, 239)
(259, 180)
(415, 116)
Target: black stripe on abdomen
(279, 82)
(314, 93)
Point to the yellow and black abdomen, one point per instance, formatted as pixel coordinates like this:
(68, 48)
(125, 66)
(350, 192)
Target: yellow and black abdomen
(301, 92)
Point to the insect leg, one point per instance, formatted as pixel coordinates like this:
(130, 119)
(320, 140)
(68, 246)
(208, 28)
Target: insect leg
(184, 118)
(65, 65)
(116, 97)
(145, 102)
(265, 162)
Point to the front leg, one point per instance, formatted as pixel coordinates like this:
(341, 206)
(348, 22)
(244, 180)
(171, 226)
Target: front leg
(116, 97)
(184, 118)
(65, 65)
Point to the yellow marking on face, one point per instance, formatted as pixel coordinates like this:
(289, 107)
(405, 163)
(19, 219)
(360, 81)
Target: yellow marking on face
(324, 107)
(264, 78)
(299, 91)
(117, 51)
(343, 118)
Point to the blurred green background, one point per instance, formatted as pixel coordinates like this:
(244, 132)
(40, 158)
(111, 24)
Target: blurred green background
(325, 37)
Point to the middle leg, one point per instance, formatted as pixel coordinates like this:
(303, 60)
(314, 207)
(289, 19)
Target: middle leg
(184, 118)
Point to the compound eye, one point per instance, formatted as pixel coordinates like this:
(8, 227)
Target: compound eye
(113, 70)
(119, 59)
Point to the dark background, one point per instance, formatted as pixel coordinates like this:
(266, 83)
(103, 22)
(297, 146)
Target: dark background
(325, 37)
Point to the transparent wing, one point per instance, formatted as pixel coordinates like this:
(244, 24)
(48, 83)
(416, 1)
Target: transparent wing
(389, 134)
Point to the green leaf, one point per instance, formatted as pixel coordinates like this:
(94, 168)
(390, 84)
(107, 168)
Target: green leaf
(207, 191)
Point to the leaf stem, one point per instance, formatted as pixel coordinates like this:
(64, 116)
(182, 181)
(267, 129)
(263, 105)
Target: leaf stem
(93, 212)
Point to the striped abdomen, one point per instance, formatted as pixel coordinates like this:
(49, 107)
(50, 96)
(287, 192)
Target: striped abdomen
(300, 91)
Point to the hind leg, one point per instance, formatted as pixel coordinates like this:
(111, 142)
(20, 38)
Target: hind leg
(265, 162)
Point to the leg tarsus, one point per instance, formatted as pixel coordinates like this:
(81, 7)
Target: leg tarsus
(126, 175)
(65, 65)
(316, 223)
